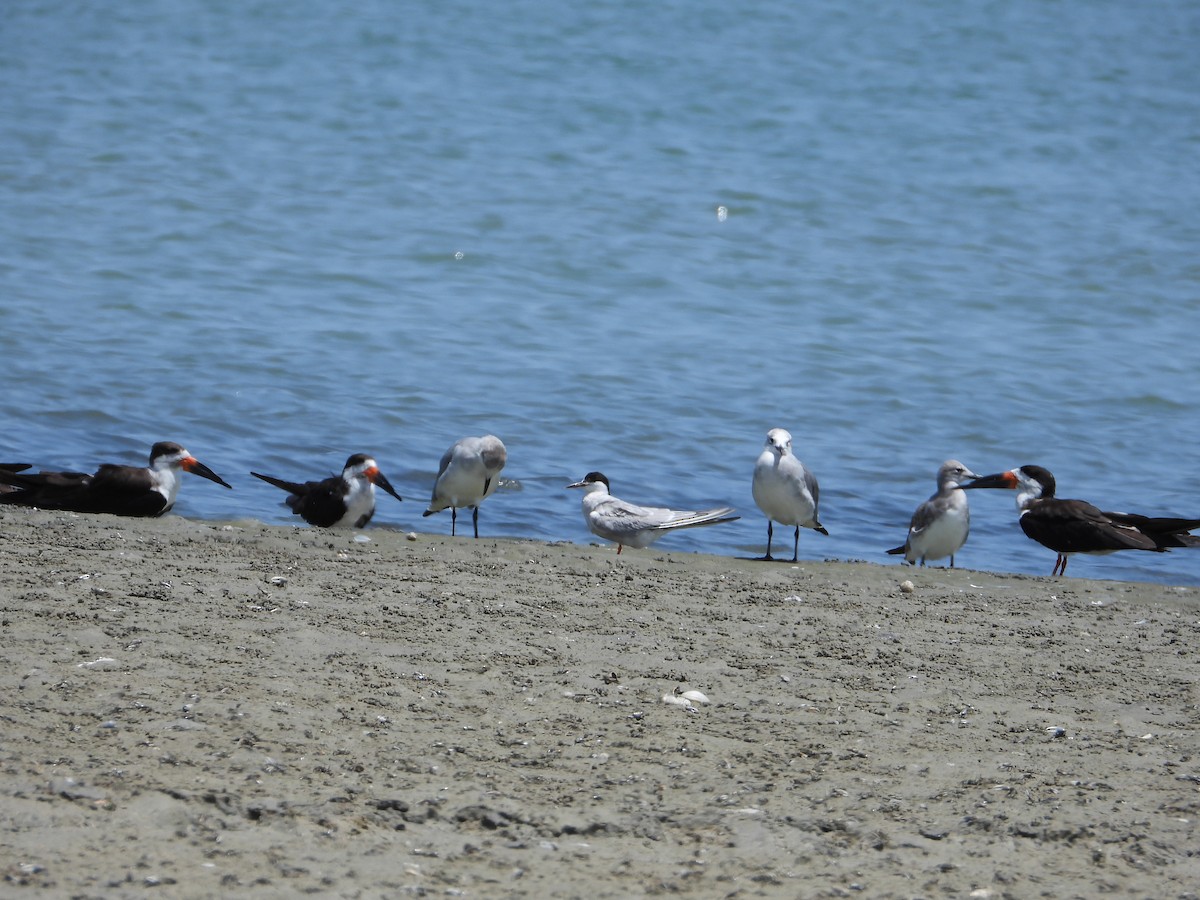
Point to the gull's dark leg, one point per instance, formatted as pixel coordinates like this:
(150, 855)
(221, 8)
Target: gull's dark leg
(770, 533)
(453, 519)
(796, 546)
(475, 521)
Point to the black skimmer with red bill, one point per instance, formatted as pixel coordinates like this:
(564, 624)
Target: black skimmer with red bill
(467, 475)
(940, 525)
(1076, 526)
(785, 490)
(120, 490)
(340, 501)
(627, 524)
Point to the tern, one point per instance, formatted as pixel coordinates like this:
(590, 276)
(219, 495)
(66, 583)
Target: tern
(120, 490)
(467, 475)
(627, 524)
(340, 501)
(940, 525)
(785, 490)
(1076, 526)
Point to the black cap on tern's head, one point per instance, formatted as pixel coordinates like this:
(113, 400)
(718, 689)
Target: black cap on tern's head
(169, 454)
(589, 479)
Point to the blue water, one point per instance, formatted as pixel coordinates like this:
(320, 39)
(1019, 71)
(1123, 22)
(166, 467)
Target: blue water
(283, 232)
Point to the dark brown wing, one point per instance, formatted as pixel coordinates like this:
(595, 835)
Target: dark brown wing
(1075, 526)
(319, 503)
(1165, 531)
(45, 490)
(6, 486)
(120, 490)
(123, 491)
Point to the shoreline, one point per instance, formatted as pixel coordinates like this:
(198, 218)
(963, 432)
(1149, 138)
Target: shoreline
(203, 707)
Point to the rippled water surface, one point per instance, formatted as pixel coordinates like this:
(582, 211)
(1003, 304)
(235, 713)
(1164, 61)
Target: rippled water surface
(624, 237)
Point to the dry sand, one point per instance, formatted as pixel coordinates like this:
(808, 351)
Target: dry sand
(193, 709)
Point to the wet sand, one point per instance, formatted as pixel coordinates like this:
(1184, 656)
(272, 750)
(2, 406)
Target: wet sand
(197, 709)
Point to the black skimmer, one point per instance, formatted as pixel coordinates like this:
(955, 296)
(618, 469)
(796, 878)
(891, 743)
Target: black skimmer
(120, 490)
(1076, 526)
(637, 526)
(340, 501)
(467, 475)
(940, 525)
(785, 490)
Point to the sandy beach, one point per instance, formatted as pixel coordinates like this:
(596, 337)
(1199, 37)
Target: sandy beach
(197, 709)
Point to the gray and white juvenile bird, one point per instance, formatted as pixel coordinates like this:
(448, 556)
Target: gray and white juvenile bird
(785, 490)
(467, 475)
(940, 525)
(627, 524)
